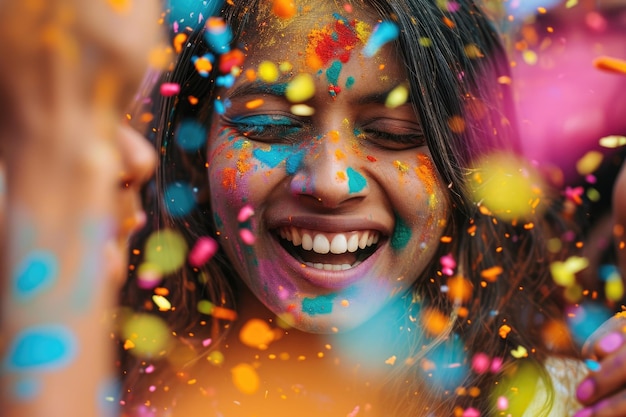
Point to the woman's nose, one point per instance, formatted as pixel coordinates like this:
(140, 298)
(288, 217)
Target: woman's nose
(138, 157)
(329, 175)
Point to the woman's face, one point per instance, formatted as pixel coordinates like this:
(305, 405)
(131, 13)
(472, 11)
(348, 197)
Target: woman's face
(348, 207)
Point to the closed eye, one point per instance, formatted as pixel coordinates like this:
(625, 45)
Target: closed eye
(273, 127)
(392, 134)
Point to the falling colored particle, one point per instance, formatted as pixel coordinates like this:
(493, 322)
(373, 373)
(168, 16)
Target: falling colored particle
(491, 274)
(507, 186)
(589, 162)
(613, 141)
(481, 363)
(167, 249)
(383, 33)
(614, 289)
(456, 124)
(502, 403)
(178, 42)
(434, 321)
(301, 88)
(203, 250)
(245, 378)
(256, 333)
(302, 110)
(459, 289)
(284, 9)
(268, 71)
(391, 360)
(149, 335)
(593, 366)
(425, 42)
(448, 264)
(148, 275)
(169, 89)
(216, 357)
(256, 103)
(530, 57)
(35, 274)
(564, 273)
(471, 412)
(505, 80)
(179, 199)
(520, 352)
(472, 51)
(190, 135)
(397, 97)
(230, 60)
(609, 64)
(218, 35)
(161, 302)
(504, 331)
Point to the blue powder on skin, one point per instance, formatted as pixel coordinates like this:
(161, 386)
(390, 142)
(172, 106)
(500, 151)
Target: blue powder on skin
(41, 348)
(332, 73)
(356, 181)
(349, 81)
(385, 32)
(401, 234)
(35, 274)
(318, 305)
(294, 162)
(279, 153)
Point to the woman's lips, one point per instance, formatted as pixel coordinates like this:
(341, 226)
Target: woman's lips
(328, 260)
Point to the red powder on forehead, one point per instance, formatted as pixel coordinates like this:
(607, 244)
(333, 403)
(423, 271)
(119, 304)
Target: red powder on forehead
(334, 42)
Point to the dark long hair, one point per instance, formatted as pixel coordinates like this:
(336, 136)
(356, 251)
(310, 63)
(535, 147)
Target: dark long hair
(459, 72)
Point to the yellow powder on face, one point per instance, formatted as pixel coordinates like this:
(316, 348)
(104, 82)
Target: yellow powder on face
(426, 172)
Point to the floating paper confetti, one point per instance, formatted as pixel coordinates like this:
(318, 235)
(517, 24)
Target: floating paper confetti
(284, 9)
(301, 88)
(613, 141)
(167, 249)
(256, 333)
(397, 97)
(589, 162)
(245, 378)
(202, 251)
(268, 71)
(609, 64)
(383, 33)
(146, 335)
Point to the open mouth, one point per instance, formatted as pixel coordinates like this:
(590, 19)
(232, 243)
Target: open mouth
(329, 251)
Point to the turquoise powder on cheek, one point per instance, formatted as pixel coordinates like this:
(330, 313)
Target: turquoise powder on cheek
(294, 161)
(356, 181)
(332, 73)
(318, 305)
(401, 234)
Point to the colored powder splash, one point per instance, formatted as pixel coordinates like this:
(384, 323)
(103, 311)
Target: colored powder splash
(279, 153)
(218, 35)
(190, 135)
(41, 348)
(356, 181)
(37, 273)
(383, 33)
(190, 12)
(584, 319)
(332, 73)
(446, 363)
(334, 42)
(401, 234)
(318, 305)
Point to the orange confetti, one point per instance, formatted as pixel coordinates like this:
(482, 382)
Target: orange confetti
(491, 274)
(434, 321)
(609, 64)
(253, 104)
(459, 289)
(284, 9)
(504, 331)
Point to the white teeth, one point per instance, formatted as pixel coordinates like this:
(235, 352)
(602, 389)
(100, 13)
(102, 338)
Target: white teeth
(363, 240)
(339, 244)
(353, 243)
(331, 267)
(307, 241)
(324, 243)
(321, 244)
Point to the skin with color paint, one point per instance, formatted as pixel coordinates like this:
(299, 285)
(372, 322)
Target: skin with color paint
(331, 226)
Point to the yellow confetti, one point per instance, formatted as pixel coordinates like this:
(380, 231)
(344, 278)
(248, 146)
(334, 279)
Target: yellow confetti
(391, 360)
(301, 88)
(302, 110)
(520, 352)
(613, 141)
(268, 71)
(614, 289)
(397, 97)
(161, 302)
(256, 333)
(530, 57)
(589, 162)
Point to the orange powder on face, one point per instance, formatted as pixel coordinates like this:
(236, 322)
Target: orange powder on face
(229, 179)
(426, 172)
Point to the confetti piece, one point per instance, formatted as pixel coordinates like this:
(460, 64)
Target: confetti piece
(149, 276)
(216, 357)
(520, 352)
(203, 64)
(614, 289)
(167, 249)
(504, 331)
(563, 273)
(161, 302)
(179, 198)
(502, 403)
(593, 366)
(609, 64)
(256, 333)
(613, 141)
(169, 89)
(383, 33)
(190, 136)
(302, 110)
(391, 360)
(481, 363)
(301, 88)
(471, 412)
(459, 289)
(589, 162)
(218, 35)
(268, 71)
(448, 263)
(203, 250)
(397, 97)
(245, 378)
(230, 60)
(434, 321)
(147, 334)
(284, 9)
(491, 274)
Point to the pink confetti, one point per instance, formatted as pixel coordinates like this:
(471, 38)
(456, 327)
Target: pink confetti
(247, 236)
(480, 363)
(245, 213)
(169, 89)
(496, 364)
(203, 250)
(206, 342)
(448, 263)
(471, 412)
(502, 403)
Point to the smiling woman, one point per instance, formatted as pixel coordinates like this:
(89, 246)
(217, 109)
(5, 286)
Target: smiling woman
(353, 170)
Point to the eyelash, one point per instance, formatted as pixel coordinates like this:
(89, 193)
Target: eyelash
(414, 139)
(267, 128)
